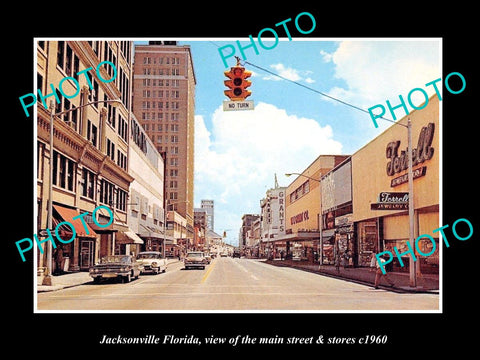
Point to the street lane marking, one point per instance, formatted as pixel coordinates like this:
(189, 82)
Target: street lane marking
(207, 273)
(245, 270)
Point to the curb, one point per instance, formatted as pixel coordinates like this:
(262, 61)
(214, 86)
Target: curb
(47, 288)
(396, 289)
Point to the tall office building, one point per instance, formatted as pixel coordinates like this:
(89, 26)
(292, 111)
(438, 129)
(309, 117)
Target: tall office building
(164, 104)
(208, 205)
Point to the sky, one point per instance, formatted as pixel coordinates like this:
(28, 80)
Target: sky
(238, 153)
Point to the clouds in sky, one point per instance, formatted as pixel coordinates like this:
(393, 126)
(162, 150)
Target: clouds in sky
(236, 160)
(377, 70)
(289, 73)
(237, 156)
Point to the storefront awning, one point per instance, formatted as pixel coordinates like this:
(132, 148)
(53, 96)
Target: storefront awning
(127, 237)
(328, 233)
(82, 229)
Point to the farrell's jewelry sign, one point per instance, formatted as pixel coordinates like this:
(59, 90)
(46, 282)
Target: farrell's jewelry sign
(391, 201)
(393, 197)
(423, 152)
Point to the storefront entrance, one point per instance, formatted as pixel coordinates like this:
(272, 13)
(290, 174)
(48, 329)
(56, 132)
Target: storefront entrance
(87, 252)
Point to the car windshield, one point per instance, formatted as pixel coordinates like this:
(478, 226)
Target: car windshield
(115, 259)
(194, 254)
(148, 256)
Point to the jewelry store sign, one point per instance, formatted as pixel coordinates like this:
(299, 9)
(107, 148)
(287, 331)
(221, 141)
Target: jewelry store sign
(391, 201)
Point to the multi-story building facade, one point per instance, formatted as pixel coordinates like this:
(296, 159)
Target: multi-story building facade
(302, 211)
(164, 104)
(146, 216)
(247, 221)
(272, 217)
(200, 222)
(89, 158)
(209, 207)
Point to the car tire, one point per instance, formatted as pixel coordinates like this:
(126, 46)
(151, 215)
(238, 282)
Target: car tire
(126, 279)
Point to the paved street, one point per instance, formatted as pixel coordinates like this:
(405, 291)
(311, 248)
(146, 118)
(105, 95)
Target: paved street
(233, 284)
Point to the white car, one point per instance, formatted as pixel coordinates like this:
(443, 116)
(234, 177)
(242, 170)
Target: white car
(195, 259)
(152, 261)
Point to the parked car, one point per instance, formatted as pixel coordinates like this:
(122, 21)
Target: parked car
(223, 254)
(152, 262)
(208, 258)
(236, 253)
(116, 266)
(195, 259)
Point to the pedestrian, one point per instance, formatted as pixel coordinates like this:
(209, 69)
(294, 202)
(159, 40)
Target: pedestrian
(373, 261)
(59, 261)
(379, 274)
(337, 261)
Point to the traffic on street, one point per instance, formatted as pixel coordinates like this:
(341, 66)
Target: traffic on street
(231, 284)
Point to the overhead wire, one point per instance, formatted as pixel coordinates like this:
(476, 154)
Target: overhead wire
(310, 88)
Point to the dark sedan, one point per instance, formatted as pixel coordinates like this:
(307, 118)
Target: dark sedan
(116, 266)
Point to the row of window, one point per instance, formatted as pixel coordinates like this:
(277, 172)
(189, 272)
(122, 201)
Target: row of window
(64, 176)
(161, 82)
(156, 71)
(69, 62)
(160, 116)
(121, 158)
(147, 60)
(159, 138)
(160, 127)
(300, 191)
(174, 94)
(160, 105)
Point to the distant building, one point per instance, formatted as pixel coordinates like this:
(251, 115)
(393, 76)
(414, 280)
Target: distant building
(208, 205)
(247, 222)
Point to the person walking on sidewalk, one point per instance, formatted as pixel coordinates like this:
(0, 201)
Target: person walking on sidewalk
(379, 274)
(373, 261)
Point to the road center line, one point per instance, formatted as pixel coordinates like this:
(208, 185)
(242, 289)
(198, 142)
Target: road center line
(207, 273)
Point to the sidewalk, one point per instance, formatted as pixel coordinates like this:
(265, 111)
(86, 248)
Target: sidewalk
(72, 279)
(427, 283)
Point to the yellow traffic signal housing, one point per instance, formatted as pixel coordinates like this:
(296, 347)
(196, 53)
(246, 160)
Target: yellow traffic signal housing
(237, 83)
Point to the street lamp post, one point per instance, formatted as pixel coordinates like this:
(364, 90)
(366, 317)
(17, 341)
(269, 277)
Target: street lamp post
(47, 279)
(411, 209)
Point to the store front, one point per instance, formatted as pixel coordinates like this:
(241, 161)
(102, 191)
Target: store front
(380, 190)
(79, 253)
(337, 245)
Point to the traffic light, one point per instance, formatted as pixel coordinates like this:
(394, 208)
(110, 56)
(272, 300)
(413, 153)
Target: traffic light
(237, 83)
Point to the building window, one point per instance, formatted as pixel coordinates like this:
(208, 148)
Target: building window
(121, 200)
(121, 160)
(106, 192)
(92, 133)
(122, 127)
(110, 149)
(63, 171)
(88, 182)
(40, 159)
(300, 191)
